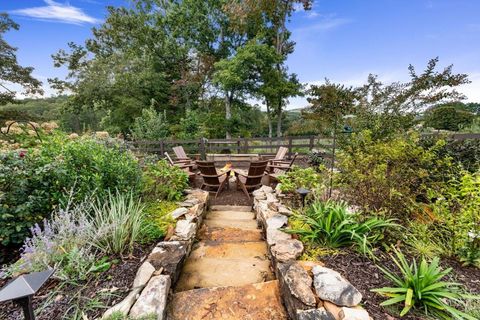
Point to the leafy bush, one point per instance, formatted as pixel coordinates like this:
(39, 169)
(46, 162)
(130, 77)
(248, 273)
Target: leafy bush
(456, 207)
(117, 223)
(157, 220)
(34, 182)
(466, 152)
(163, 181)
(391, 175)
(307, 178)
(448, 117)
(331, 224)
(152, 125)
(422, 287)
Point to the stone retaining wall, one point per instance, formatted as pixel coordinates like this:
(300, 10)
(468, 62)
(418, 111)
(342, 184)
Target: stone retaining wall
(161, 269)
(309, 290)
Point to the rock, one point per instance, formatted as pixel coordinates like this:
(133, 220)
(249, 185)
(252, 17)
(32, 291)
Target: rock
(185, 204)
(185, 230)
(125, 305)
(275, 235)
(144, 273)
(266, 189)
(309, 265)
(314, 314)
(296, 288)
(273, 205)
(170, 257)
(153, 299)
(333, 309)
(353, 314)
(177, 213)
(271, 197)
(259, 194)
(276, 221)
(287, 250)
(284, 210)
(331, 286)
(192, 200)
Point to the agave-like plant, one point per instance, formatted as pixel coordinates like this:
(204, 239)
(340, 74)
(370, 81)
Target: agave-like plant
(331, 224)
(422, 287)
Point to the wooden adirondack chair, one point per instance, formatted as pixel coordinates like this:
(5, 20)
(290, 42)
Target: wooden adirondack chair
(185, 166)
(280, 156)
(253, 179)
(275, 171)
(211, 177)
(182, 156)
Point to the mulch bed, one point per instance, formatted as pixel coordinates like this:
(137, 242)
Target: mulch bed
(365, 275)
(109, 288)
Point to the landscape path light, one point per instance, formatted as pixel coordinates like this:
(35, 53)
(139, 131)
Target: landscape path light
(303, 193)
(22, 289)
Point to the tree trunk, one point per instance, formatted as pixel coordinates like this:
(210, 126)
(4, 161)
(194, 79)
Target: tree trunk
(228, 112)
(279, 120)
(269, 121)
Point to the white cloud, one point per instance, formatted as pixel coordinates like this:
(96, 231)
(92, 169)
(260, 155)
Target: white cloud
(325, 23)
(57, 12)
(472, 90)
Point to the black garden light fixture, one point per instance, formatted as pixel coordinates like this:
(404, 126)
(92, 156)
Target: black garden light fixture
(303, 193)
(22, 289)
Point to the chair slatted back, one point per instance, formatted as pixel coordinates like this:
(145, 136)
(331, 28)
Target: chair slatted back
(281, 153)
(169, 159)
(180, 152)
(255, 173)
(208, 173)
(279, 171)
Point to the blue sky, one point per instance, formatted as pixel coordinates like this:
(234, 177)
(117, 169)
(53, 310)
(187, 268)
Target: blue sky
(340, 40)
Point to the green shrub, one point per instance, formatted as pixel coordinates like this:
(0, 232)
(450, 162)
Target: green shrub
(157, 220)
(117, 223)
(164, 182)
(391, 175)
(448, 117)
(423, 287)
(33, 183)
(307, 178)
(331, 224)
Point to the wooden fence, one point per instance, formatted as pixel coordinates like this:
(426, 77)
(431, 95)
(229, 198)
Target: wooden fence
(261, 146)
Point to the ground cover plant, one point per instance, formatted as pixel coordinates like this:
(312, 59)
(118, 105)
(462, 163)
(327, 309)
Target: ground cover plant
(424, 287)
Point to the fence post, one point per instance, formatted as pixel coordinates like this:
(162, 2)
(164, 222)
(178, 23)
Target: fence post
(290, 144)
(246, 145)
(238, 145)
(202, 149)
(162, 149)
(312, 139)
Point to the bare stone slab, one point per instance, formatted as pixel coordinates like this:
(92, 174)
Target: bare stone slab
(353, 314)
(295, 285)
(177, 213)
(169, 256)
(153, 299)
(276, 221)
(331, 286)
(144, 273)
(125, 305)
(287, 250)
(185, 230)
(275, 235)
(314, 314)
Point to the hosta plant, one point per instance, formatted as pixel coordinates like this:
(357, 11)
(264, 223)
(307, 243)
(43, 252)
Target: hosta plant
(331, 224)
(425, 287)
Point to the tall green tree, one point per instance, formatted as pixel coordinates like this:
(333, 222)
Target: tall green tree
(10, 70)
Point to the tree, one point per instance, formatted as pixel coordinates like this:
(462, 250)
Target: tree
(448, 117)
(10, 71)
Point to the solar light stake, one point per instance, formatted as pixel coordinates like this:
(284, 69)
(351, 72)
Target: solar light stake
(303, 193)
(22, 289)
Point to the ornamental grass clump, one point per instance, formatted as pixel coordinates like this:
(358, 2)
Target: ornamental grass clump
(117, 223)
(423, 287)
(331, 224)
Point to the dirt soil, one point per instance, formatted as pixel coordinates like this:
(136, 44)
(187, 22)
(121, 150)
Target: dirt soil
(110, 288)
(365, 275)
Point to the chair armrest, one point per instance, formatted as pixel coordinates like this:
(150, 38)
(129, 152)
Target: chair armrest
(278, 167)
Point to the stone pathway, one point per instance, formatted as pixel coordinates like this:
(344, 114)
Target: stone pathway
(228, 274)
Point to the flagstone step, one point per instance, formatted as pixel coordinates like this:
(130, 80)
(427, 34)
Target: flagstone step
(231, 223)
(260, 301)
(214, 272)
(230, 215)
(229, 250)
(229, 234)
(231, 208)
